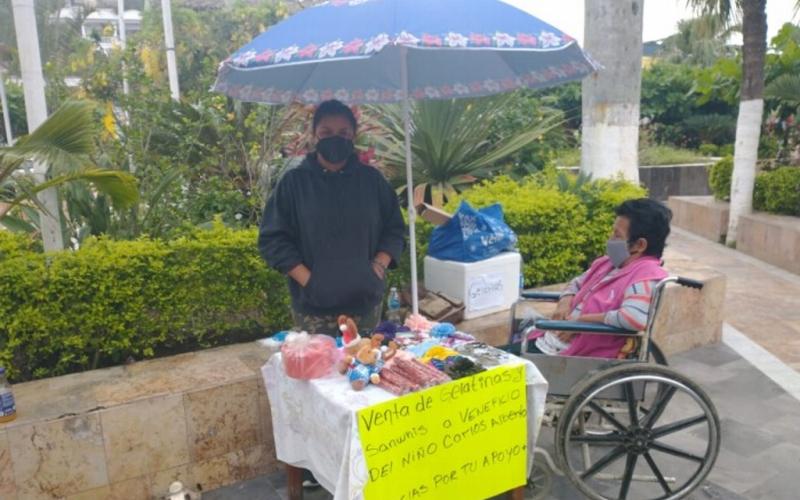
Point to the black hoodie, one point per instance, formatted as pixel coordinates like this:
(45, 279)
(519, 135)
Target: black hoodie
(334, 223)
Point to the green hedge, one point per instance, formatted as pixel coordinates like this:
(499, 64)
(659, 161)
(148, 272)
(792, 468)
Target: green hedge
(73, 311)
(95, 307)
(14, 244)
(719, 178)
(562, 222)
(778, 191)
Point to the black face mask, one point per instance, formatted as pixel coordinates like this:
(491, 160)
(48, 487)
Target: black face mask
(335, 149)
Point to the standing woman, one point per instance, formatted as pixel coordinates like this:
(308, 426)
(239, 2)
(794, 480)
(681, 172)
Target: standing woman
(333, 225)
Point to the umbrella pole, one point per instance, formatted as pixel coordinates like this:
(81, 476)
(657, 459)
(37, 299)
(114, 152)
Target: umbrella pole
(412, 212)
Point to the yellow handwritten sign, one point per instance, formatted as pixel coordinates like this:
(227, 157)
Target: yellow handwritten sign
(464, 439)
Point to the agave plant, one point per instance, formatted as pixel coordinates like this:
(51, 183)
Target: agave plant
(64, 142)
(452, 143)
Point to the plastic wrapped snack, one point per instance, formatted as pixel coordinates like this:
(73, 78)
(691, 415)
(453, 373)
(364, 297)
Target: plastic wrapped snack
(307, 357)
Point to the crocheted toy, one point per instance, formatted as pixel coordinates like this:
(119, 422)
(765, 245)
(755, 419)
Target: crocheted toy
(367, 364)
(352, 342)
(440, 330)
(418, 323)
(389, 330)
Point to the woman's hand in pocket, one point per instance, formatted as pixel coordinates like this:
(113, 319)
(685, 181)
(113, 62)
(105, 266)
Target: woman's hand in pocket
(301, 274)
(379, 270)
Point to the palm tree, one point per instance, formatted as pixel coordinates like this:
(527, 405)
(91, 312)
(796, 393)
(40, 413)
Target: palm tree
(753, 16)
(64, 142)
(699, 41)
(452, 143)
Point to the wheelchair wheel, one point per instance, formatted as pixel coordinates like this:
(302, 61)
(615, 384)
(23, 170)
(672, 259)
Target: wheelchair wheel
(655, 434)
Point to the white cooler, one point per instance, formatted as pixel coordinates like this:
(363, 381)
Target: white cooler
(485, 287)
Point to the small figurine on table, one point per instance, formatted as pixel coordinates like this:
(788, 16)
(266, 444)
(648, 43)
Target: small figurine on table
(352, 342)
(367, 364)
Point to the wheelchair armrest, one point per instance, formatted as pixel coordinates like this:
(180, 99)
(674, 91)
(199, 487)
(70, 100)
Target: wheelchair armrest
(544, 296)
(577, 326)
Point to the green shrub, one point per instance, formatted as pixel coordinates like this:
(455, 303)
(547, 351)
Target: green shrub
(73, 311)
(719, 178)
(663, 154)
(725, 150)
(561, 226)
(778, 191)
(707, 149)
(13, 244)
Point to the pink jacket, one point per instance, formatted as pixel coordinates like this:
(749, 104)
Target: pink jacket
(600, 296)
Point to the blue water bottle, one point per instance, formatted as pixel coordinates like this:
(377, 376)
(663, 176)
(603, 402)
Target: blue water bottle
(8, 410)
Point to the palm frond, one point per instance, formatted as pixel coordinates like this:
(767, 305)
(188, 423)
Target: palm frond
(121, 187)
(65, 139)
(519, 141)
(786, 88)
(17, 224)
(452, 140)
(726, 11)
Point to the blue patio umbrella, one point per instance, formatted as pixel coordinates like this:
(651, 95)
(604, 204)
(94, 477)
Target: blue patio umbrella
(384, 51)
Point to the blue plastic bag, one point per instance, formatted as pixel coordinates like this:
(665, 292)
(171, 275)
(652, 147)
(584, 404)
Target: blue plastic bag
(472, 235)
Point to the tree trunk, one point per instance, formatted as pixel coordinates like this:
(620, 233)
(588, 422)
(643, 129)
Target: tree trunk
(610, 139)
(751, 109)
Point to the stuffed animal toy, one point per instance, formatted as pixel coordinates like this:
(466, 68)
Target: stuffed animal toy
(367, 364)
(351, 340)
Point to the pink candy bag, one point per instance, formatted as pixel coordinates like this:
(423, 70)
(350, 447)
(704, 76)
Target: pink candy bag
(307, 357)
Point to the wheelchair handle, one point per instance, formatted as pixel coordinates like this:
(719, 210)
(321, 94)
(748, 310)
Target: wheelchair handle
(690, 283)
(578, 326)
(538, 295)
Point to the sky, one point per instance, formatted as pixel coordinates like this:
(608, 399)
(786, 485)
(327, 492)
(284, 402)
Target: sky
(660, 16)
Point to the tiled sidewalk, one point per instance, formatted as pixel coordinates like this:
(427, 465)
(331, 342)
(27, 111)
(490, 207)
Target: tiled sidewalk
(761, 301)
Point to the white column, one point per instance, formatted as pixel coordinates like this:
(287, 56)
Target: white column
(36, 111)
(6, 111)
(169, 41)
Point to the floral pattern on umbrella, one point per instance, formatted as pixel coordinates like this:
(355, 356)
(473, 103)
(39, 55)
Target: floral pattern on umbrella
(358, 47)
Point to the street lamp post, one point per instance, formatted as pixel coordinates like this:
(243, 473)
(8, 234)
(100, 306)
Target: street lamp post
(6, 110)
(36, 111)
(169, 41)
(122, 40)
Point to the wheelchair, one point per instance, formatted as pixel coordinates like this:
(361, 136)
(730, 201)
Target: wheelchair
(624, 428)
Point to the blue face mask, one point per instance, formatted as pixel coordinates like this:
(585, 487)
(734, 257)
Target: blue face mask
(617, 251)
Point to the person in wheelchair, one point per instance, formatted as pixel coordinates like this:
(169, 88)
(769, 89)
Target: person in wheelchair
(615, 290)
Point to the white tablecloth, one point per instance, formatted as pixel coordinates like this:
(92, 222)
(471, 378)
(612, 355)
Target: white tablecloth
(315, 425)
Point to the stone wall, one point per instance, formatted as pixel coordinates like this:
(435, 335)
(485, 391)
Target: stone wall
(690, 318)
(675, 180)
(128, 432)
(771, 238)
(701, 215)
(665, 181)
(768, 237)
